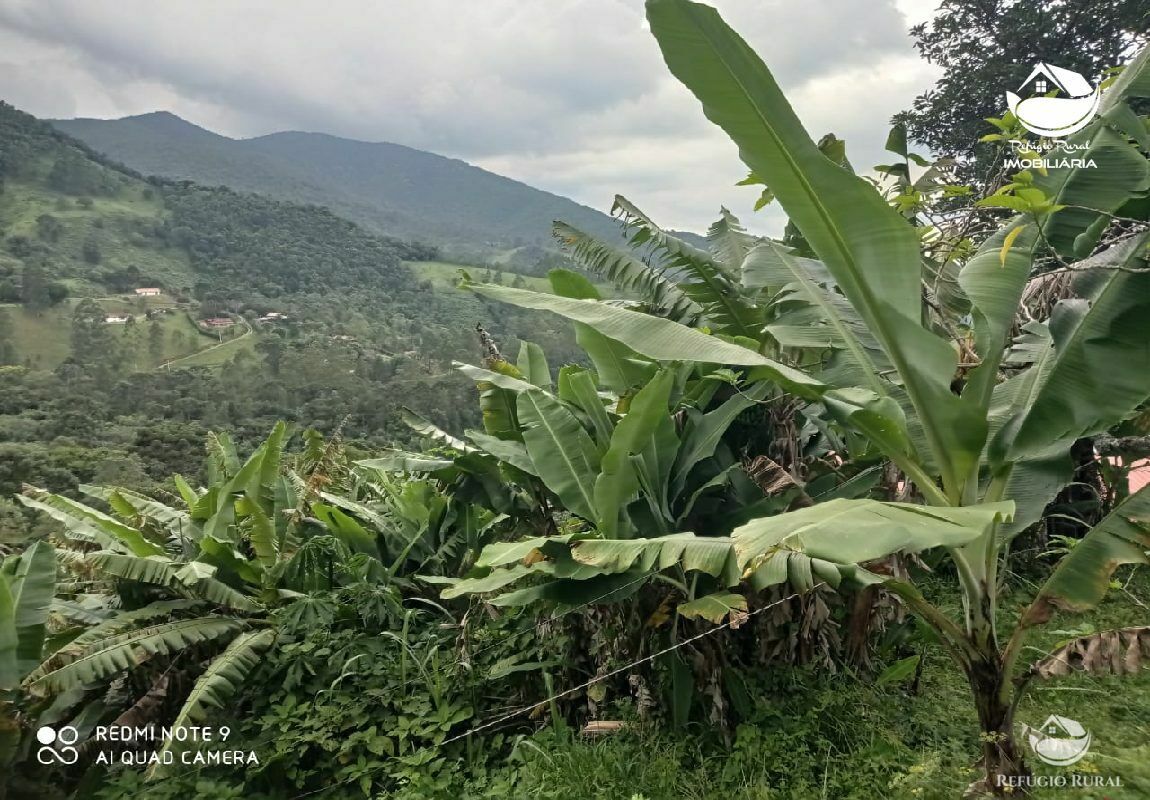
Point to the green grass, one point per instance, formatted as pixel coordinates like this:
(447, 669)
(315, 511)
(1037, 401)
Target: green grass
(218, 355)
(123, 228)
(814, 735)
(444, 275)
(44, 337)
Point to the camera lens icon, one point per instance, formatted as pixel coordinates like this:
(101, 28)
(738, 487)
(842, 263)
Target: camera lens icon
(57, 744)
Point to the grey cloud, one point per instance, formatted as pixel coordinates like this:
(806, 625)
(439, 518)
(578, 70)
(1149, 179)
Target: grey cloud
(569, 95)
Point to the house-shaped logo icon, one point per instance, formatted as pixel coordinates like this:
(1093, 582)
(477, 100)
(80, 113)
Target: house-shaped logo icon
(1060, 741)
(1062, 115)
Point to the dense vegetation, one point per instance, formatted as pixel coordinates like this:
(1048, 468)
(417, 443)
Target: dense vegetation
(817, 516)
(363, 333)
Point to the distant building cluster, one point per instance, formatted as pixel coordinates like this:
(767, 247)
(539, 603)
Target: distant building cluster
(273, 316)
(148, 291)
(218, 322)
(115, 319)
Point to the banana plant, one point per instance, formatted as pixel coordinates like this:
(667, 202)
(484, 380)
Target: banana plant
(616, 458)
(983, 434)
(27, 589)
(204, 576)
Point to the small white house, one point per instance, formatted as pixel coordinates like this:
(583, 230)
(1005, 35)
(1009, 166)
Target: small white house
(148, 291)
(115, 320)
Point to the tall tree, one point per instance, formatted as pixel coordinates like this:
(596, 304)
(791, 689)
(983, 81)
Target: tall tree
(987, 47)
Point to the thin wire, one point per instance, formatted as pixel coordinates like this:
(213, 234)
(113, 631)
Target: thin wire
(733, 622)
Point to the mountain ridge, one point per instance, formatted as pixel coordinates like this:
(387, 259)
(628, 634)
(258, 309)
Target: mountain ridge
(389, 188)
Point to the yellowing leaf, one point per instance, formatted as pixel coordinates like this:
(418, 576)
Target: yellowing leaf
(716, 607)
(1006, 244)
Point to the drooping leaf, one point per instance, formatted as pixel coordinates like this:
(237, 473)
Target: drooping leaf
(715, 607)
(216, 686)
(428, 429)
(506, 450)
(627, 272)
(400, 461)
(654, 337)
(493, 581)
(124, 651)
(858, 531)
(90, 524)
(173, 575)
(712, 555)
(563, 454)
(1118, 652)
(1082, 577)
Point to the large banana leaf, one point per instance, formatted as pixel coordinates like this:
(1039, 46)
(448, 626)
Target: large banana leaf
(124, 651)
(430, 430)
(1082, 578)
(654, 337)
(868, 247)
(858, 531)
(703, 431)
(27, 585)
(618, 480)
(195, 583)
(872, 252)
(215, 687)
(31, 584)
(862, 363)
(1099, 369)
(712, 555)
(563, 454)
(91, 525)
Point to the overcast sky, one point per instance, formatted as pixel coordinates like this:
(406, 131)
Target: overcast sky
(571, 96)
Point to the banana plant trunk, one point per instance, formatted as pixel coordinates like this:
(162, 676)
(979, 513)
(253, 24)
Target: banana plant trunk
(1002, 761)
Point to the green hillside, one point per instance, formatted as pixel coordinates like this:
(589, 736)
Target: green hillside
(386, 187)
(267, 310)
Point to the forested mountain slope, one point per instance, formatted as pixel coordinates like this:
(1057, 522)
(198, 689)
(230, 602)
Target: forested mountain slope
(388, 188)
(265, 309)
